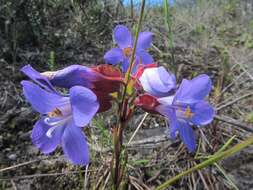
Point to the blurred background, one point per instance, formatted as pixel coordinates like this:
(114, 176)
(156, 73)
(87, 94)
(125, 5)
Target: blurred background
(190, 37)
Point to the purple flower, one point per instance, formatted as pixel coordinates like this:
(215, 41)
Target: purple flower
(37, 78)
(157, 81)
(122, 54)
(102, 80)
(61, 118)
(187, 108)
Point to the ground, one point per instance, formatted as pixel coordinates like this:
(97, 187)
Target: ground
(215, 39)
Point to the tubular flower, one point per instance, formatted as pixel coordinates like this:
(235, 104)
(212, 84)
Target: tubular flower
(37, 78)
(187, 107)
(103, 77)
(123, 52)
(102, 80)
(61, 119)
(157, 81)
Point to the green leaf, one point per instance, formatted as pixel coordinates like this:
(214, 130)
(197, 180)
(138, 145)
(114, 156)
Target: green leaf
(141, 162)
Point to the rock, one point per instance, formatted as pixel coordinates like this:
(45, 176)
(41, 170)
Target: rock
(32, 150)
(12, 156)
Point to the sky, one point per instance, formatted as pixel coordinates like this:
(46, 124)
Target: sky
(148, 2)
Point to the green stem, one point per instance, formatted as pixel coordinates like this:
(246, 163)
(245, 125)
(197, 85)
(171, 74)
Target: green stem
(168, 24)
(128, 74)
(216, 157)
(118, 170)
(132, 10)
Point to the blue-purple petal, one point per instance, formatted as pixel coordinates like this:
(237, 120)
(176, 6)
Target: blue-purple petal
(185, 131)
(170, 115)
(157, 81)
(144, 40)
(166, 101)
(187, 135)
(74, 145)
(192, 91)
(37, 77)
(145, 57)
(114, 56)
(42, 141)
(73, 75)
(173, 123)
(122, 36)
(125, 65)
(84, 105)
(203, 113)
(41, 100)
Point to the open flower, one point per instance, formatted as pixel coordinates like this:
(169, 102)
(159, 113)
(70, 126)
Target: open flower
(187, 107)
(122, 54)
(61, 119)
(102, 80)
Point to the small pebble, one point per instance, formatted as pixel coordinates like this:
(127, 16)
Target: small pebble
(12, 156)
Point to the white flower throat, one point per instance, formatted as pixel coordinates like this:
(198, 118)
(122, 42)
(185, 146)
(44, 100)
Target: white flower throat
(57, 118)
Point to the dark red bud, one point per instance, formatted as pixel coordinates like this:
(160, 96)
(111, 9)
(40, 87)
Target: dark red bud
(108, 71)
(104, 100)
(108, 80)
(147, 103)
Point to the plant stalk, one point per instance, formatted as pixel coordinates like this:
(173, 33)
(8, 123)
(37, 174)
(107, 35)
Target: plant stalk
(168, 24)
(118, 171)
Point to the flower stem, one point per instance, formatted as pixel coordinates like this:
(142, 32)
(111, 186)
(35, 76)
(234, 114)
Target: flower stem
(118, 168)
(132, 58)
(128, 74)
(212, 160)
(168, 24)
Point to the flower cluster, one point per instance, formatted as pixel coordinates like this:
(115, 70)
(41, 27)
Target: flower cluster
(183, 108)
(92, 90)
(63, 115)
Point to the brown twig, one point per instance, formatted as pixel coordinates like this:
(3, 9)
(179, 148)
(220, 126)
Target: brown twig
(140, 183)
(234, 122)
(13, 185)
(234, 101)
(44, 175)
(241, 65)
(106, 181)
(22, 164)
(101, 178)
(137, 129)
